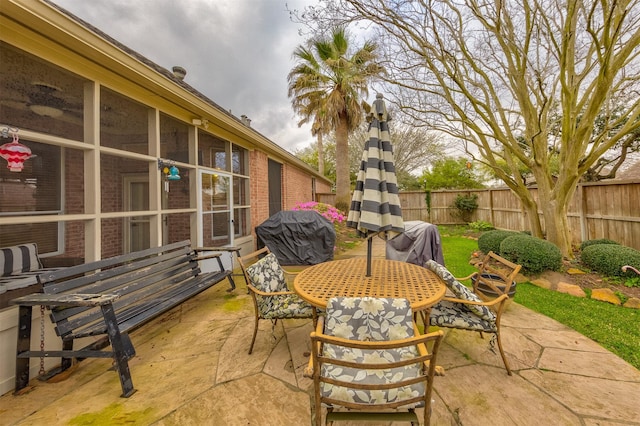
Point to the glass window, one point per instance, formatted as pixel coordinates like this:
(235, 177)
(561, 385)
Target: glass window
(216, 229)
(174, 139)
(215, 192)
(240, 160)
(240, 191)
(241, 222)
(117, 184)
(177, 227)
(123, 123)
(39, 96)
(175, 193)
(37, 190)
(216, 206)
(213, 151)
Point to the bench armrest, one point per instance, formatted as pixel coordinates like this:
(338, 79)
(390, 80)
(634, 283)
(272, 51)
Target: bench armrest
(227, 249)
(208, 256)
(65, 299)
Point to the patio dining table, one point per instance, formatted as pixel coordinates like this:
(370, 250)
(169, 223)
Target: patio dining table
(389, 278)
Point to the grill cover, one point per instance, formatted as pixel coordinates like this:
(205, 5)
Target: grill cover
(298, 237)
(419, 242)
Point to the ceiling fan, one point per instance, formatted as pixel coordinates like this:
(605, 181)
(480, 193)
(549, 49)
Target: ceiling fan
(46, 100)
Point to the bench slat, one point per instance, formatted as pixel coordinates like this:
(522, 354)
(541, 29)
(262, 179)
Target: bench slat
(130, 319)
(102, 273)
(151, 287)
(99, 264)
(133, 280)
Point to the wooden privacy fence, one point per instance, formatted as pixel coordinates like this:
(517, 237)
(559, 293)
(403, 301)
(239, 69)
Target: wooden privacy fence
(598, 210)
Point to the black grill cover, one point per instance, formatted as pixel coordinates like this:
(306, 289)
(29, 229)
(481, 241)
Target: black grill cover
(298, 237)
(419, 242)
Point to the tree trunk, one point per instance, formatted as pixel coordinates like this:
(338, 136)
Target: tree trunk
(557, 227)
(343, 190)
(553, 199)
(320, 154)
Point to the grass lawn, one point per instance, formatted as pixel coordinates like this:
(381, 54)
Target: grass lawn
(615, 328)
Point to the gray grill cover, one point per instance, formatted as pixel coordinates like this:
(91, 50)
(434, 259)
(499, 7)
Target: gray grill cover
(298, 237)
(419, 242)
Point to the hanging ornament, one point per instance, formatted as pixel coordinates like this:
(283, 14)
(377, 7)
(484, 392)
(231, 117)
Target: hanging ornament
(174, 173)
(15, 153)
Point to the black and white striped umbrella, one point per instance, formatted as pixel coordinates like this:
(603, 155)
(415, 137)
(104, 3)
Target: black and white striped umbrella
(375, 206)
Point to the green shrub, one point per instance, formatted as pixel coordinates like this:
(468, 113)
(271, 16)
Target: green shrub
(608, 259)
(490, 241)
(534, 254)
(465, 205)
(588, 243)
(481, 225)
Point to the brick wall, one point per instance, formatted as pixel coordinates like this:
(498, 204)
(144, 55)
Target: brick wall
(259, 184)
(297, 187)
(74, 203)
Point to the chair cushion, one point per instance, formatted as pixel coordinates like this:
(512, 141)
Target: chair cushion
(267, 275)
(17, 259)
(458, 315)
(283, 306)
(461, 291)
(369, 318)
(377, 376)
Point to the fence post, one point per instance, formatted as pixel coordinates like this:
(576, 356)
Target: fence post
(582, 203)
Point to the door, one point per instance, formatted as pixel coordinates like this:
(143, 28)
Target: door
(275, 187)
(137, 229)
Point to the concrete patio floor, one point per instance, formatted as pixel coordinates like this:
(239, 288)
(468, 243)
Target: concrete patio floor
(192, 368)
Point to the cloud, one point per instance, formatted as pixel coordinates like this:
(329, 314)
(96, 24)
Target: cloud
(236, 52)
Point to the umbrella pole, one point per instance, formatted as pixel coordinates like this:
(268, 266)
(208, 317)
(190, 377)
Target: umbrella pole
(369, 255)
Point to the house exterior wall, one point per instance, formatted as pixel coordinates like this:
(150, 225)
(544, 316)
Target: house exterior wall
(93, 214)
(259, 168)
(299, 187)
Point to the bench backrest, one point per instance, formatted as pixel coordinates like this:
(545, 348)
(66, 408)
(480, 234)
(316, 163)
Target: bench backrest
(17, 259)
(141, 279)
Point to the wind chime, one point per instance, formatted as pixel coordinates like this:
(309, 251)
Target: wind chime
(14, 152)
(169, 172)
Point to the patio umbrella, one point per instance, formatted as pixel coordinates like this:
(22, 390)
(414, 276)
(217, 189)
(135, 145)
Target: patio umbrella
(375, 206)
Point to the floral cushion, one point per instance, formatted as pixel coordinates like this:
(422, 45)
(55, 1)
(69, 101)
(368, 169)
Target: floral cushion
(458, 315)
(461, 291)
(268, 276)
(284, 306)
(370, 319)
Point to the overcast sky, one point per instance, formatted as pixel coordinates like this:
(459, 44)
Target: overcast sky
(236, 52)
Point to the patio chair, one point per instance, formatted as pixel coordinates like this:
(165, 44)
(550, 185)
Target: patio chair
(272, 299)
(370, 363)
(466, 310)
(495, 276)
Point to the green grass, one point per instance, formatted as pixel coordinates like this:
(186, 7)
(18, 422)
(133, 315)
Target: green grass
(457, 252)
(613, 327)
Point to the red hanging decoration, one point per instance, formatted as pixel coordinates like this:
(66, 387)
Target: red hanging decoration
(15, 153)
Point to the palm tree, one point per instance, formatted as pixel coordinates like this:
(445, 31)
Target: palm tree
(328, 86)
(309, 105)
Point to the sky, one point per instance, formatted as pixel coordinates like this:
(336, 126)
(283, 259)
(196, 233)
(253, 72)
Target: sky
(236, 52)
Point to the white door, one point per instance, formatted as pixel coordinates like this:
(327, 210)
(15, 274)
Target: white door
(137, 228)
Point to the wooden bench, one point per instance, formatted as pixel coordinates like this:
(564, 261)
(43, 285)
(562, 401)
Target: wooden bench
(110, 298)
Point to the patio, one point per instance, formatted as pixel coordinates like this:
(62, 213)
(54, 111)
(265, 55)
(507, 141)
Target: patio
(192, 367)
